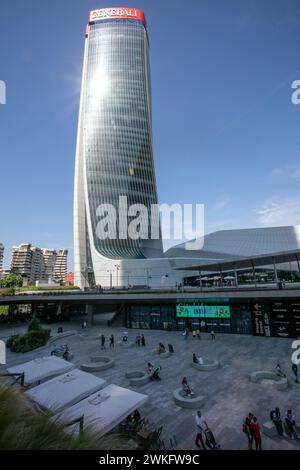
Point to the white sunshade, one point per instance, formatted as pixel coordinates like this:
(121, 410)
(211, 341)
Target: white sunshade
(42, 369)
(103, 410)
(65, 390)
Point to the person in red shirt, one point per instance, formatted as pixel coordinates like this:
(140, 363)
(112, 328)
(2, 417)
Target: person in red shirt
(255, 431)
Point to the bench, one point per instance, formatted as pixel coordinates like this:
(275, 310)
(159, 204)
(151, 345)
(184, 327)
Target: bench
(137, 377)
(195, 401)
(98, 363)
(126, 344)
(269, 428)
(208, 366)
(281, 383)
(163, 355)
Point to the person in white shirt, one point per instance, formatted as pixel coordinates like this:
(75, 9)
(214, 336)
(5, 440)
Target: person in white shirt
(201, 427)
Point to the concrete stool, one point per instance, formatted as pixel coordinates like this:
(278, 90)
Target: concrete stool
(208, 366)
(195, 401)
(137, 377)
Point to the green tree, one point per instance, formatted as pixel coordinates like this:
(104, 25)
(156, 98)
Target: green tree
(11, 280)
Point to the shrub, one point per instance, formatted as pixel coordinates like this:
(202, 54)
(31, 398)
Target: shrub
(34, 324)
(29, 341)
(10, 340)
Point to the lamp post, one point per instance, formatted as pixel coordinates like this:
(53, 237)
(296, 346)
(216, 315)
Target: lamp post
(147, 275)
(117, 266)
(110, 278)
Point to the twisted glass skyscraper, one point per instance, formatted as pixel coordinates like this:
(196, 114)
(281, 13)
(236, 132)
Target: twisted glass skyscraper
(114, 143)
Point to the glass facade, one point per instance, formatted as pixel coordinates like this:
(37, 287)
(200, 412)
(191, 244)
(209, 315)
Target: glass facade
(117, 134)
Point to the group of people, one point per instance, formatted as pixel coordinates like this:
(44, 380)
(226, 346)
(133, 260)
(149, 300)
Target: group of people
(140, 340)
(63, 350)
(197, 334)
(111, 341)
(153, 371)
(251, 428)
(281, 374)
(289, 421)
(162, 348)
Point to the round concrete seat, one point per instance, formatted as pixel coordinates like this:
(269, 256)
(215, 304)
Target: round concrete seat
(126, 344)
(137, 377)
(98, 363)
(195, 401)
(163, 355)
(280, 383)
(207, 366)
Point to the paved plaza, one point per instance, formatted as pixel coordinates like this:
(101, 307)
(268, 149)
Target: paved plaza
(229, 393)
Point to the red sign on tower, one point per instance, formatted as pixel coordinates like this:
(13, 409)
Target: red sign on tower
(117, 12)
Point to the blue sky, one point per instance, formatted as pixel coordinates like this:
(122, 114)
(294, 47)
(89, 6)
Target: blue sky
(225, 131)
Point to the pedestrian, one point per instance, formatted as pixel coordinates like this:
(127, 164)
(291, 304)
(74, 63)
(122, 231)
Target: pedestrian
(194, 334)
(112, 341)
(213, 336)
(198, 334)
(201, 426)
(171, 349)
(255, 431)
(279, 372)
(185, 334)
(143, 341)
(138, 340)
(275, 417)
(290, 424)
(102, 341)
(247, 430)
(295, 370)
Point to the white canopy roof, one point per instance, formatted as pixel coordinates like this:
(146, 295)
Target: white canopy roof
(65, 390)
(42, 369)
(105, 409)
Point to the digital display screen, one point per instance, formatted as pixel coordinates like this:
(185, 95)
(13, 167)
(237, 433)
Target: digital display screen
(203, 311)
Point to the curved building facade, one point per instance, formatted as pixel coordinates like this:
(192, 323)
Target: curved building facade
(114, 154)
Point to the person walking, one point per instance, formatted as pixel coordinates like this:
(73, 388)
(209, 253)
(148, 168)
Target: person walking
(295, 370)
(201, 427)
(198, 334)
(247, 430)
(102, 341)
(143, 341)
(194, 334)
(213, 336)
(275, 417)
(255, 431)
(112, 341)
(138, 340)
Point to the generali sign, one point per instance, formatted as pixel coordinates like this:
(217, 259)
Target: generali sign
(117, 12)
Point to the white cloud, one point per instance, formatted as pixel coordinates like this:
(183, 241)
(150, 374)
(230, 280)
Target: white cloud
(275, 211)
(296, 172)
(222, 204)
(276, 171)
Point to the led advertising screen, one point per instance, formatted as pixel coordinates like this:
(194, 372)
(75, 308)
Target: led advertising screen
(203, 311)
